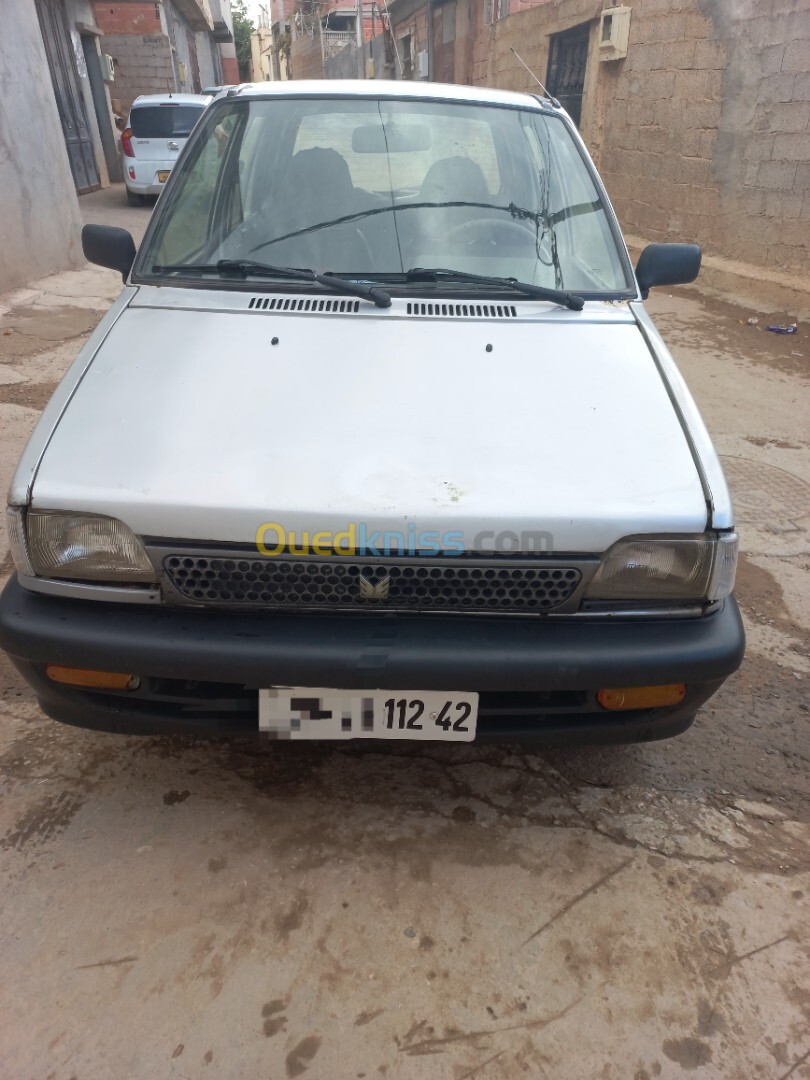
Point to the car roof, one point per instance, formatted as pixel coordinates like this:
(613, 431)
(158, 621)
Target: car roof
(376, 88)
(170, 99)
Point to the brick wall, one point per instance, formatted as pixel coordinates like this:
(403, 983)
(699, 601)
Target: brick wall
(116, 18)
(143, 65)
(703, 132)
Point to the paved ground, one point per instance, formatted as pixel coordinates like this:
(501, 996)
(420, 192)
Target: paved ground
(187, 909)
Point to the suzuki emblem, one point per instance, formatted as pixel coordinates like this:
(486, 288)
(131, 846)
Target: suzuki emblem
(371, 591)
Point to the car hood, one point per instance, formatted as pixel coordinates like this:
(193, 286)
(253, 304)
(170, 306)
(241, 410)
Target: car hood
(205, 424)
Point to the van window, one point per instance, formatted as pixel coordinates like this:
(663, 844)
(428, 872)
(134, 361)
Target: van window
(164, 121)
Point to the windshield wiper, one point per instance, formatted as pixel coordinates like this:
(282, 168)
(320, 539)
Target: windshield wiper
(242, 268)
(556, 296)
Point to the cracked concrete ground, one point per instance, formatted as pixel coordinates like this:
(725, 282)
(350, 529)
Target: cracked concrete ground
(181, 908)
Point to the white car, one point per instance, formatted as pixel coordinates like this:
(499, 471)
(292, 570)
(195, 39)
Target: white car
(377, 442)
(156, 132)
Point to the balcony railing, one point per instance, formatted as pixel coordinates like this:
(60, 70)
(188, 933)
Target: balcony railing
(334, 40)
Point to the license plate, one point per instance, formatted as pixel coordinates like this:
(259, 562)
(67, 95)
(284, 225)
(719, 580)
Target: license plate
(304, 712)
(163, 175)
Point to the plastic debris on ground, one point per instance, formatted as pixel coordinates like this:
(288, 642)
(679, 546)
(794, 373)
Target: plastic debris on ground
(783, 329)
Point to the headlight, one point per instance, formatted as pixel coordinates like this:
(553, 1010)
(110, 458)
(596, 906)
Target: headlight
(84, 547)
(667, 568)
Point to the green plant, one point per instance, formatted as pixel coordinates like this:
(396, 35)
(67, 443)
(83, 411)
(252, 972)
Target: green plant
(242, 29)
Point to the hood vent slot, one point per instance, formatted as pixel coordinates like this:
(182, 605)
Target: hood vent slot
(463, 311)
(314, 305)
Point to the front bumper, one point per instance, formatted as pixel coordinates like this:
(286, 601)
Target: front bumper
(200, 670)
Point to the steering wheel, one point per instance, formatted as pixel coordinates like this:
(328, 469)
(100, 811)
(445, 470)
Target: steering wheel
(365, 245)
(481, 230)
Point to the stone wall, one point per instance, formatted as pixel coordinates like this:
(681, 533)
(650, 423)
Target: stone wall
(143, 65)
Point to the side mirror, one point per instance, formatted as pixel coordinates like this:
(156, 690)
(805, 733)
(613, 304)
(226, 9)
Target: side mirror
(107, 246)
(667, 264)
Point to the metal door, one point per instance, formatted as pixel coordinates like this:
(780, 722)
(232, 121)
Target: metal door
(67, 91)
(566, 69)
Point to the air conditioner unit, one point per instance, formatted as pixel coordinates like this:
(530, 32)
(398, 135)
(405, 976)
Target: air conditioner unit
(422, 64)
(107, 68)
(614, 33)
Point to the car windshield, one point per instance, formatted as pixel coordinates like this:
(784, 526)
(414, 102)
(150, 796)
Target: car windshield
(371, 188)
(163, 121)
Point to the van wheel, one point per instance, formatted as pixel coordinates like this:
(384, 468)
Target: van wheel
(133, 199)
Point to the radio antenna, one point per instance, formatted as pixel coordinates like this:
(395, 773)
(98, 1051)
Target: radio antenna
(520, 60)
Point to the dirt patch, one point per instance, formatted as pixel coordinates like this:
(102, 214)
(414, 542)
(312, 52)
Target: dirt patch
(31, 395)
(30, 330)
(12, 684)
(780, 444)
(725, 325)
(171, 798)
(42, 821)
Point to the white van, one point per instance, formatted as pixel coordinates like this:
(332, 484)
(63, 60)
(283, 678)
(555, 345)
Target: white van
(156, 132)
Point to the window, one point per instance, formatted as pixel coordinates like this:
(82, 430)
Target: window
(189, 227)
(568, 57)
(495, 9)
(164, 121)
(406, 56)
(377, 187)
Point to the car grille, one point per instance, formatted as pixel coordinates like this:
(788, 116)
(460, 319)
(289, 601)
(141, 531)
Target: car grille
(417, 584)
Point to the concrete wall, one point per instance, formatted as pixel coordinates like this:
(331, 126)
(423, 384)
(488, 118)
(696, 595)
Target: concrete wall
(306, 58)
(182, 39)
(209, 75)
(39, 212)
(346, 64)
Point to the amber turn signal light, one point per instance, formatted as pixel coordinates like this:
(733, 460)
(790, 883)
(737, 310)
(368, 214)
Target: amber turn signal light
(641, 697)
(94, 680)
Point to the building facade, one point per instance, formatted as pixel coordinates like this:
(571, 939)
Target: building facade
(167, 45)
(270, 42)
(320, 32)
